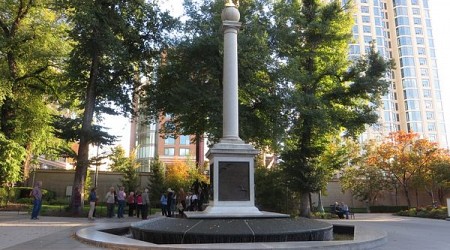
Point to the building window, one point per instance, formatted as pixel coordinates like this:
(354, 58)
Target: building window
(431, 127)
(402, 20)
(402, 41)
(409, 83)
(184, 140)
(403, 31)
(432, 137)
(169, 151)
(366, 19)
(184, 151)
(406, 51)
(430, 115)
(413, 116)
(427, 93)
(428, 104)
(169, 140)
(415, 127)
(364, 9)
(422, 61)
(368, 39)
(420, 40)
(421, 51)
(406, 61)
(418, 31)
(408, 72)
(416, 11)
(417, 20)
(424, 72)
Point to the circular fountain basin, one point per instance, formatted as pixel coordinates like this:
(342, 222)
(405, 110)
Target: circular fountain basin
(164, 230)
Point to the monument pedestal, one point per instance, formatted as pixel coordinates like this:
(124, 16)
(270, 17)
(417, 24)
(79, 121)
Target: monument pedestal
(232, 179)
(232, 182)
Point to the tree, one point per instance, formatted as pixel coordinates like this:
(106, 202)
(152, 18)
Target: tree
(118, 159)
(271, 193)
(365, 179)
(177, 175)
(11, 155)
(325, 91)
(34, 45)
(198, 85)
(157, 181)
(405, 157)
(115, 41)
(127, 166)
(440, 177)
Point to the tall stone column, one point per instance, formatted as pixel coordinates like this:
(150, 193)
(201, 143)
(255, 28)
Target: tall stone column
(231, 160)
(230, 26)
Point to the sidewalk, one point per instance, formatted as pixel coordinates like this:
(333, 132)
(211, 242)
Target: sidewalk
(17, 231)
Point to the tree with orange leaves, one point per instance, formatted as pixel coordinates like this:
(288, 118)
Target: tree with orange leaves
(405, 157)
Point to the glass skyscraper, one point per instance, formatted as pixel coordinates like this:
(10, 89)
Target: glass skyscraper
(402, 31)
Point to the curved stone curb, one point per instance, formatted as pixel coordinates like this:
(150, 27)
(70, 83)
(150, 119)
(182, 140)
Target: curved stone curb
(364, 239)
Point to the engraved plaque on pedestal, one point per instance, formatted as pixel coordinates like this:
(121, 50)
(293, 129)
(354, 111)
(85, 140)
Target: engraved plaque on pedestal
(234, 181)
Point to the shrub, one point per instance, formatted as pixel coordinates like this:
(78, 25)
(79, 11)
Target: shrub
(425, 212)
(324, 215)
(26, 200)
(387, 209)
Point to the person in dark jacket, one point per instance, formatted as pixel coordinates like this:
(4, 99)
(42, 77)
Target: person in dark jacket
(169, 202)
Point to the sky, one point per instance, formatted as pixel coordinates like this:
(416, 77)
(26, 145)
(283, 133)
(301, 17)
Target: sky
(440, 21)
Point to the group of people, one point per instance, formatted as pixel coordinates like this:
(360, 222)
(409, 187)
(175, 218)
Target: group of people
(181, 201)
(340, 209)
(137, 201)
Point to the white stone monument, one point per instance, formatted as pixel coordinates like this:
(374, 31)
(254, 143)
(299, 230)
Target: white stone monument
(232, 160)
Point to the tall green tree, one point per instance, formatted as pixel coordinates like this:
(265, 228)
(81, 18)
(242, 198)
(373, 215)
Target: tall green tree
(11, 154)
(325, 91)
(116, 41)
(33, 48)
(156, 183)
(127, 166)
(191, 75)
(364, 178)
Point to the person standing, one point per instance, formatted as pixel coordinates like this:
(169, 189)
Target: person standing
(163, 201)
(169, 202)
(36, 194)
(121, 202)
(110, 200)
(131, 204)
(92, 202)
(181, 200)
(139, 203)
(145, 204)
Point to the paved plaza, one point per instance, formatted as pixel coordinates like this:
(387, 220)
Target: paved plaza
(17, 231)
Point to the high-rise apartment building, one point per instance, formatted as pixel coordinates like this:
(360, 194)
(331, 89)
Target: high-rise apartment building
(402, 31)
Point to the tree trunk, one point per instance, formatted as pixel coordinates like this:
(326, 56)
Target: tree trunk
(319, 203)
(86, 131)
(199, 151)
(305, 209)
(408, 200)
